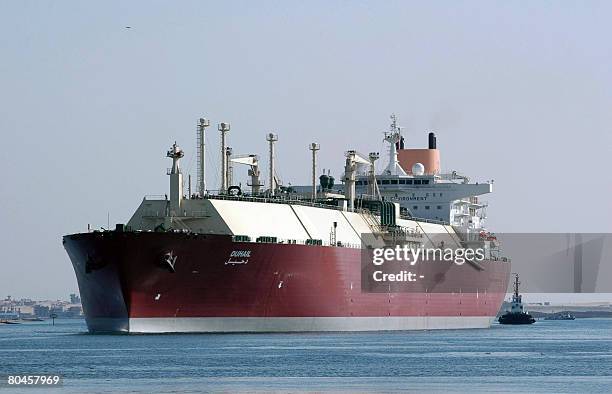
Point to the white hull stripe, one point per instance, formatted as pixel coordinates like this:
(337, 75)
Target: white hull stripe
(289, 324)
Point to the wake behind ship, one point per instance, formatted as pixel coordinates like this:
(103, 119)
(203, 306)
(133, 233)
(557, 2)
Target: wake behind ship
(282, 259)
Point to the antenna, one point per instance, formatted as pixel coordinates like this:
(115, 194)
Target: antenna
(224, 128)
(314, 147)
(272, 138)
(394, 128)
(201, 181)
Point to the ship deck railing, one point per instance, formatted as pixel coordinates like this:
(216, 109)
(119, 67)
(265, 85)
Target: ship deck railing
(279, 200)
(293, 201)
(287, 241)
(157, 214)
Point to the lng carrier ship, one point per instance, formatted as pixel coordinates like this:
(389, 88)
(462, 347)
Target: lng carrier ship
(278, 259)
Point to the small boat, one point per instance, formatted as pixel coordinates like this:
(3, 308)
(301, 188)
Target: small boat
(9, 322)
(560, 316)
(516, 314)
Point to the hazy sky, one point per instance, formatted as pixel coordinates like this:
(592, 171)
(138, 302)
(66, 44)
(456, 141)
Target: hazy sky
(518, 92)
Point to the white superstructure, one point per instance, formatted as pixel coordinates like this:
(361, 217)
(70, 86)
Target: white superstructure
(426, 200)
(423, 193)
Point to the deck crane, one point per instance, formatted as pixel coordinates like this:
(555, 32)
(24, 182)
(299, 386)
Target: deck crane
(253, 162)
(353, 158)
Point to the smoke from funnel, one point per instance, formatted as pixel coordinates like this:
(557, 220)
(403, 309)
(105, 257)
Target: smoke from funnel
(444, 118)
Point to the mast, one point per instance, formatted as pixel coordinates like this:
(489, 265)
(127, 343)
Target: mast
(272, 138)
(373, 186)
(176, 179)
(516, 286)
(201, 182)
(223, 128)
(314, 147)
(394, 138)
(228, 166)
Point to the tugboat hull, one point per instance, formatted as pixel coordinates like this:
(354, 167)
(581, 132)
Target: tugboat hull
(516, 318)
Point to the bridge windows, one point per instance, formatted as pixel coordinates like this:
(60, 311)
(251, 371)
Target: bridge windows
(396, 182)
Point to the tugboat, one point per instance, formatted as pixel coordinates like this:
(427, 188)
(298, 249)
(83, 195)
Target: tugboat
(516, 314)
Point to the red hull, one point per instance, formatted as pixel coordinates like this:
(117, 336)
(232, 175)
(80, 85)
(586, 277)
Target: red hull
(121, 276)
